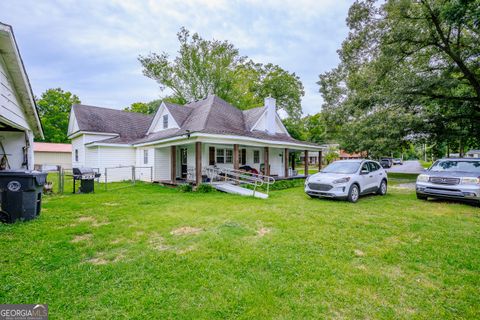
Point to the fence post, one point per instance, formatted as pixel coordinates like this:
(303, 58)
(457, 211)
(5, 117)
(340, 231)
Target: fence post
(151, 174)
(106, 179)
(133, 174)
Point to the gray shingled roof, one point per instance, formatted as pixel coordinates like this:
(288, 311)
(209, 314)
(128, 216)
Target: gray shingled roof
(211, 115)
(128, 125)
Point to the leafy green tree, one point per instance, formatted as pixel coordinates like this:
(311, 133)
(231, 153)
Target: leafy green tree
(412, 63)
(54, 109)
(205, 67)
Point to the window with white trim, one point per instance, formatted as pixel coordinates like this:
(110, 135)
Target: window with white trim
(224, 155)
(256, 156)
(228, 155)
(165, 121)
(145, 156)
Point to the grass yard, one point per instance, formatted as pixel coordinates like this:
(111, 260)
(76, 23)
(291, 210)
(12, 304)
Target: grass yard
(151, 252)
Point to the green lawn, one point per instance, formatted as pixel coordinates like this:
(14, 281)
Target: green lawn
(151, 252)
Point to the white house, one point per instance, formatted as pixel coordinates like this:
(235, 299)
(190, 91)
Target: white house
(19, 120)
(179, 141)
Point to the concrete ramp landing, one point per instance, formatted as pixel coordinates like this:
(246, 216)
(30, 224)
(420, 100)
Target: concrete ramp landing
(230, 188)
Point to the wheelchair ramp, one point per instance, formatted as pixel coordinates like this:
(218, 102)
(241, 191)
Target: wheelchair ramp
(230, 188)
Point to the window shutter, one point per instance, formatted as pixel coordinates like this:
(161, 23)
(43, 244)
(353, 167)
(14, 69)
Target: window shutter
(211, 156)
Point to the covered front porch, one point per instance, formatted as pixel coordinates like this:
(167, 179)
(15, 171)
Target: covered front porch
(189, 162)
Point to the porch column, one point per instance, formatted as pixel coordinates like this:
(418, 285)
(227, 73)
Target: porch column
(285, 162)
(306, 161)
(235, 157)
(319, 160)
(173, 163)
(198, 163)
(266, 161)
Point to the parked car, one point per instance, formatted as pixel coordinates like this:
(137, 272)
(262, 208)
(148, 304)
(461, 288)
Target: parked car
(347, 179)
(397, 161)
(386, 162)
(451, 178)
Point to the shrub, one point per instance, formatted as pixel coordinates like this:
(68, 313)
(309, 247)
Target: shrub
(185, 187)
(204, 188)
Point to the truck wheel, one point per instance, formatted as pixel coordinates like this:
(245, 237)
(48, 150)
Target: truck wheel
(353, 193)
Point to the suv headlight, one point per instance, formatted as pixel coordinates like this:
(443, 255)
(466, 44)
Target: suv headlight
(422, 178)
(470, 180)
(342, 180)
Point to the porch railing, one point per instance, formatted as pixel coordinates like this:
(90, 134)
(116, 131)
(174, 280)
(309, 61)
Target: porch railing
(216, 174)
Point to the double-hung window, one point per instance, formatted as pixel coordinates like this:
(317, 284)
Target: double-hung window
(228, 155)
(165, 121)
(256, 156)
(145, 156)
(220, 155)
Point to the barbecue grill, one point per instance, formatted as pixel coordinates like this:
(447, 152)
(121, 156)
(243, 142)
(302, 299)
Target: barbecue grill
(86, 176)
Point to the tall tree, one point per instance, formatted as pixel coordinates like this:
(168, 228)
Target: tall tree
(205, 67)
(409, 60)
(54, 109)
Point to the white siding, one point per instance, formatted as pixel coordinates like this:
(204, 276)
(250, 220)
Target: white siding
(10, 107)
(13, 142)
(91, 157)
(145, 171)
(162, 164)
(77, 144)
(276, 159)
(158, 125)
(117, 160)
(262, 124)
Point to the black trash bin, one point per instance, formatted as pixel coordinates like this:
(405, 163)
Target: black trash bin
(21, 194)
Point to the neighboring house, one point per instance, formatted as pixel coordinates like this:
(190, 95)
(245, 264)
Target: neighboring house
(314, 158)
(473, 154)
(178, 141)
(19, 120)
(48, 155)
(343, 155)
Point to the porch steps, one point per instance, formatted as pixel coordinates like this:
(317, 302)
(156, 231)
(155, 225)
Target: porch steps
(230, 188)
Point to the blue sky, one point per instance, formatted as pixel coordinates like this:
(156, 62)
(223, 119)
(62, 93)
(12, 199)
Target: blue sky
(90, 47)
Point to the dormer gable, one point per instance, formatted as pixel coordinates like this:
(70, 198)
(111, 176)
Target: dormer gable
(163, 120)
(269, 121)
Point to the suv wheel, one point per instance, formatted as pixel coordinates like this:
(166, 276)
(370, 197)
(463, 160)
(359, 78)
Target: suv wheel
(421, 197)
(353, 193)
(382, 190)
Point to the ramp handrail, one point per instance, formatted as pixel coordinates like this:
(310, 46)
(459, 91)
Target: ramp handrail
(239, 176)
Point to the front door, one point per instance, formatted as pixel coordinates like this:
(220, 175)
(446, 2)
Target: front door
(183, 163)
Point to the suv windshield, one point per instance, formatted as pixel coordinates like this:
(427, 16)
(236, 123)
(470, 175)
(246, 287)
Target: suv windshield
(452, 165)
(342, 167)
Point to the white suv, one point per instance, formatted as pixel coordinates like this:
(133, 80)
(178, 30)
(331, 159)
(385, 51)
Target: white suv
(348, 179)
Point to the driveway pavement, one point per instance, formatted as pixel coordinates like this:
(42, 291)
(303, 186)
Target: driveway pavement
(409, 166)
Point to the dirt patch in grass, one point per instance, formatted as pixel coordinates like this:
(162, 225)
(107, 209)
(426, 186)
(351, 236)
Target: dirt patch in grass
(111, 204)
(185, 231)
(102, 258)
(263, 231)
(82, 237)
(157, 242)
(95, 223)
(358, 253)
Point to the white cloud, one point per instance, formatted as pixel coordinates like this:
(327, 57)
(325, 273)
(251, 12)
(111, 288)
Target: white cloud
(92, 46)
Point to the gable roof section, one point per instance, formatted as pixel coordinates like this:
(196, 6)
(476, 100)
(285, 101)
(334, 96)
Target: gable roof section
(16, 69)
(251, 116)
(128, 125)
